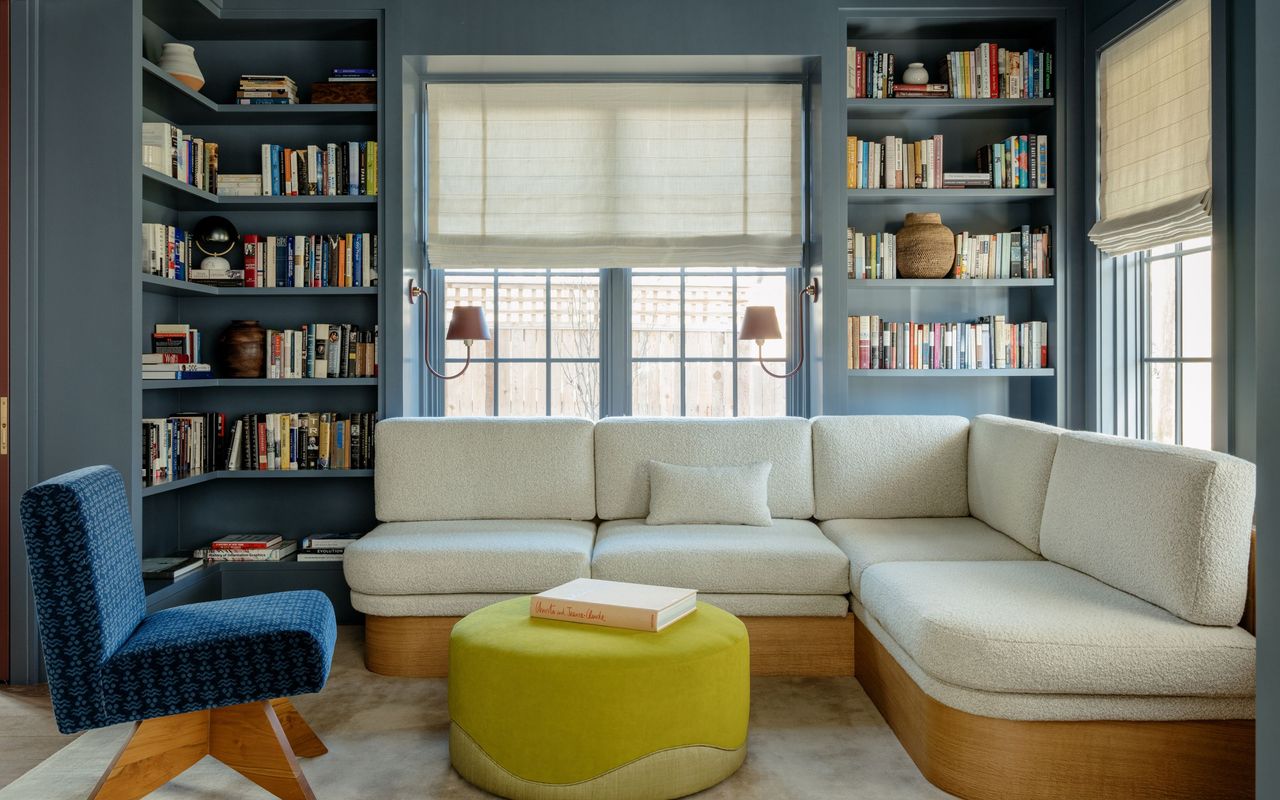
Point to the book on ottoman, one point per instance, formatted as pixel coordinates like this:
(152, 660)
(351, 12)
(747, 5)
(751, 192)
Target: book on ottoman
(613, 604)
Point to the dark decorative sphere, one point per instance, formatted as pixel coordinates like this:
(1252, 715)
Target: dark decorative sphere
(215, 236)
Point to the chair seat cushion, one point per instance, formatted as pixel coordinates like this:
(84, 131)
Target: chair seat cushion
(222, 653)
(486, 556)
(875, 541)
(789, 557)
(1040, 627)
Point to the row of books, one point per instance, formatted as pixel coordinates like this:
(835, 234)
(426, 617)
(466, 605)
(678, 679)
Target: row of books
(311, 260)
(1024, 253)
(167, 251)
(190, 159)
(347, 168)
(989, 70)
(182, 446)
(988, 343)
(326, 546)
(1018, 162)
(267, 90)
(302, 441)
(322, 350)
(894, 163)
(868, 74)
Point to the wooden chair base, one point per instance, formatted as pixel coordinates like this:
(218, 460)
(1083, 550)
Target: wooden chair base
(259, 740)
(418, 647)
(983, 758)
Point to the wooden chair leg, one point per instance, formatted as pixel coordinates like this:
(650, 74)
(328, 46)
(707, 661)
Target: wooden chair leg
(249, 739)
(159, 750)
(304, 740)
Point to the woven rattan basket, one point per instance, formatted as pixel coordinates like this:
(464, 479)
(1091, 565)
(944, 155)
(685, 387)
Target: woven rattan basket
(926, 247)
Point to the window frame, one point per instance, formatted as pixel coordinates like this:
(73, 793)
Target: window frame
(615, 357)
(1145, 260)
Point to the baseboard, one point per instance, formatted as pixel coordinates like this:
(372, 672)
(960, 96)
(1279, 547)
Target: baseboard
(983, 758)
(418, 647)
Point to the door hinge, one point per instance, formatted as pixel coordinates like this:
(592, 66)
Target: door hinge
(4, 426)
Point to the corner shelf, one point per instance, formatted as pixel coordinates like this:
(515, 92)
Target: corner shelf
(255, 474)
(947, 195)
(1046, 372)
(160, 188)
(154, 284)
(944, 284)
(170, 98)
(274, 383)
(944, 107)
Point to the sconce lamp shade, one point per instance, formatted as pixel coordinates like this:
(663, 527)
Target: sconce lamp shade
(468, 324)
(760, 323)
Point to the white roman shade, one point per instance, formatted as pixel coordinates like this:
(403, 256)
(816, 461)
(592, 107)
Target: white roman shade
(1155, 121)
(614, 175)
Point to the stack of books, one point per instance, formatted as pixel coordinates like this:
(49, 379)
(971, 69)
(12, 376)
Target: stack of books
(322, 350)
(182, 446)
(326, 546)
(988, 343)
(169, 151)
(966, 180)
(166, 251)
(336, 168)
(989, 70)
(894, 163)
(267, 90)
(175, 354)
(612, 604)
(353, 75)
(315, 260)
(248, 547)
(921, 90)
(239, 185)
(169, 568)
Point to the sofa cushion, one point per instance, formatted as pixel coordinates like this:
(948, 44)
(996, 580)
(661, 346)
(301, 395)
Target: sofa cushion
(874, 541)
(473, 468)
(1041, 627)
(1009, 465)
(789, 557)
(1168, 524)
(626, 445)
(469, 556)
(737, 495)
(741, 605)
(890, 466)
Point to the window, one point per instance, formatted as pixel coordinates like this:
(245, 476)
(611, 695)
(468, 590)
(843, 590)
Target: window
(680, 355)
(1177, 343)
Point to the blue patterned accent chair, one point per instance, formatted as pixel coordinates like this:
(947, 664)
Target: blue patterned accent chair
(203, 679)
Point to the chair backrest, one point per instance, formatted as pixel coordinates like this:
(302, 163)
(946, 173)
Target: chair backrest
(87, 579)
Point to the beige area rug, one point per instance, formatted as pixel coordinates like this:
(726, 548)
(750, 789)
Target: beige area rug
(388, 739)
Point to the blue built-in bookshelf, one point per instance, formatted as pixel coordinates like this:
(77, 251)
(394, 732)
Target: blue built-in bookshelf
(926, 34)
(184, 514)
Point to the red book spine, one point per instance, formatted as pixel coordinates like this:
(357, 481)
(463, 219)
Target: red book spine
(993, 76)
(262, 445)
(860, 86)
(239, 545)
(251, 259)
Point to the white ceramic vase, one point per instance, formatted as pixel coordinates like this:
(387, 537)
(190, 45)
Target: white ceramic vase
(915, 73)
(179, 60)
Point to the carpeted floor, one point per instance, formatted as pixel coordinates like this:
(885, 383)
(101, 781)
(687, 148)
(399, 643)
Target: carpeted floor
(811, 738)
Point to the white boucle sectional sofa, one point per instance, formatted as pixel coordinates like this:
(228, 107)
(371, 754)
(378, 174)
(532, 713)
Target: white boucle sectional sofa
(1002, 570)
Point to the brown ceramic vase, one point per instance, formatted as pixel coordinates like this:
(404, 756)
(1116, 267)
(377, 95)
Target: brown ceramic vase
(242, 350)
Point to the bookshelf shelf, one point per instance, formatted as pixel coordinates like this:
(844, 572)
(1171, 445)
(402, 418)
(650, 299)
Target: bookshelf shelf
(934, 196)
(250, 383)
(155, 284)
(948, 284)
(160, 188)
(168, 98)
(945, 107)
(251, 474)
(952, 373)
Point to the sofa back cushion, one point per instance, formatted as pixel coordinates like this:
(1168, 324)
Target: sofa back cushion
(1009, 465)
(626, 445)
(479, 468)
(1168, 524)
(882, 467)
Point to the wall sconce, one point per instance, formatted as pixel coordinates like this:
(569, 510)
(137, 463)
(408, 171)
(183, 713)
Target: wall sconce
(466, 325)
(761, 323)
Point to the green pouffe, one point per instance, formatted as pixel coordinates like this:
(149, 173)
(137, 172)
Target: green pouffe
(545, 710)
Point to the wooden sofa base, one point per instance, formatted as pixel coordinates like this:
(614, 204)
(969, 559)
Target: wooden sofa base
(418, 647)
(982, 757)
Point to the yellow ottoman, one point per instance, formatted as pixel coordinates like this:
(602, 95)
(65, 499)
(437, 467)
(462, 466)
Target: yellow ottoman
(548, 709)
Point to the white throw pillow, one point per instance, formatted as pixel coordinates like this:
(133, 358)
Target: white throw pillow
(737, 495)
